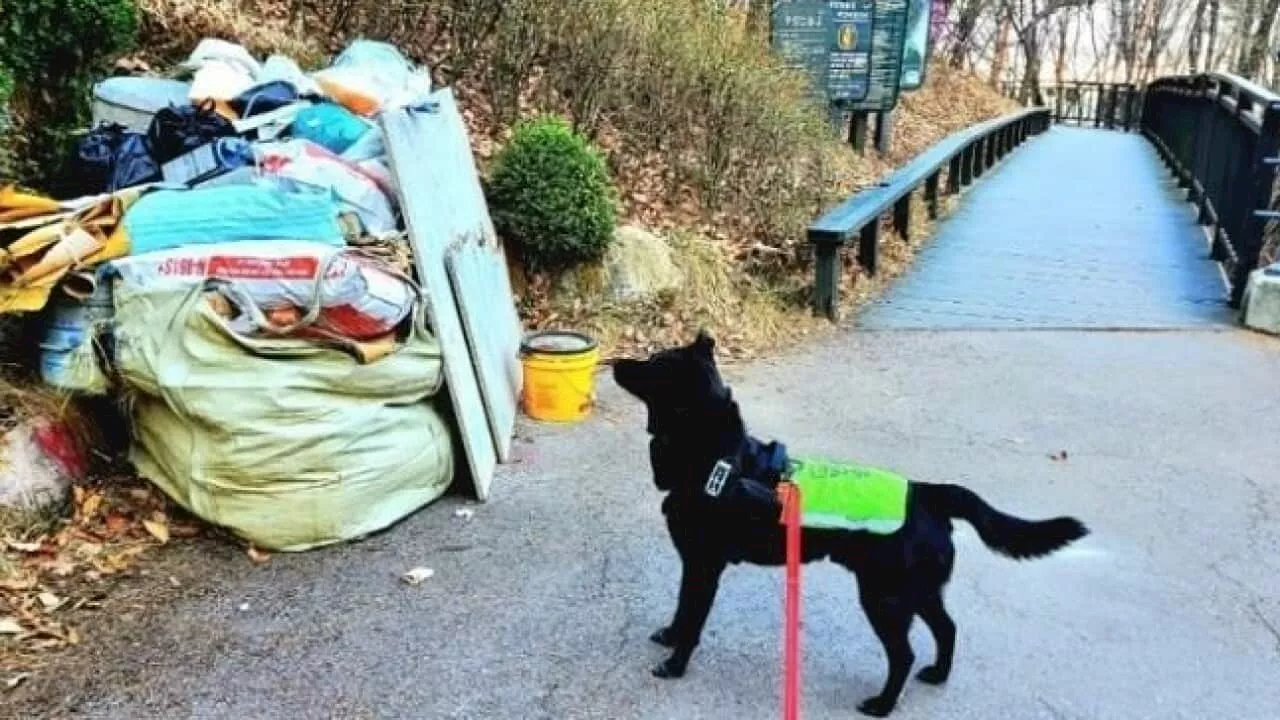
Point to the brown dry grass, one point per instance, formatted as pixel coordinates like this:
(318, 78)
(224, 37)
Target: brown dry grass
(170, 29)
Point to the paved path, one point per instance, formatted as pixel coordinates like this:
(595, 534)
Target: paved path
(542, 602)
(1080, 229)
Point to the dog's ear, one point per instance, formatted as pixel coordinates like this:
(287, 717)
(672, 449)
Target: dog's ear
(704, 343)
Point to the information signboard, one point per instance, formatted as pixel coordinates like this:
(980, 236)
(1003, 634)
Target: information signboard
(830, 40)
(851, 49)
(916, 46)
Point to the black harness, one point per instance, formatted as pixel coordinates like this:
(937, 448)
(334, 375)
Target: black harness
(744, 481)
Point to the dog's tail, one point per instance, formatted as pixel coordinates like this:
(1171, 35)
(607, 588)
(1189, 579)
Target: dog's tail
(1010, 536)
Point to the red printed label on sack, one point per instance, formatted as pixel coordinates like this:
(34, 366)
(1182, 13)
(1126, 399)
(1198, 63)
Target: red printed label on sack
(233, 267)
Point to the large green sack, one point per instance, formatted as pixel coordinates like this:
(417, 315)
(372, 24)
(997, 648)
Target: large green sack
(289, 444)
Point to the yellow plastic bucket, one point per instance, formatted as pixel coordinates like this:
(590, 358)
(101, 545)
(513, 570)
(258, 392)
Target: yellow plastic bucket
(559, 375)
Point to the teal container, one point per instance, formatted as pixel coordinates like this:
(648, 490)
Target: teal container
(68, 360)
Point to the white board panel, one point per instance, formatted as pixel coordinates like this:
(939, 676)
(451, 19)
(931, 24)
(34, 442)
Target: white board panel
(425, 173)
(481, 288)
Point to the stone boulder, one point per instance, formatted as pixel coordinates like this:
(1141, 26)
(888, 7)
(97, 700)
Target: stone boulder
(640, 265)
(1262, 300)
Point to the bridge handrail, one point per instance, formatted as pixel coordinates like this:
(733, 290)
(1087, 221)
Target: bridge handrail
(966, 155)
(1220, 135)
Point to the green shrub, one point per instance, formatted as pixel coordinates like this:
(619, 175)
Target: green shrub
(7, 169)
(54, 49)
(552, 197)
(53, 42)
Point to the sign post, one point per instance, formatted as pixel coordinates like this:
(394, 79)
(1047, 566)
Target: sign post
(852, 51)
(916, 44)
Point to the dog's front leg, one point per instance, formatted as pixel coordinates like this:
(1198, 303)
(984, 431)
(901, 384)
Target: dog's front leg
(699, 581)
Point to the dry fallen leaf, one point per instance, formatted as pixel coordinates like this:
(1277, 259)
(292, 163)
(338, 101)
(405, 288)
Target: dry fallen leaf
(89, 550)
(13, 682)
(116, 523)
(10, 626)
(24, 582)
(24, 547)
(418, 575)
(159, 529)
(259, 557)
(89, 508)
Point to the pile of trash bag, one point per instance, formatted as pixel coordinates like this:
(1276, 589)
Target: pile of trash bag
(224, 269)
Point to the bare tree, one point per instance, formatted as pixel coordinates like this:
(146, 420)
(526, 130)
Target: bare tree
(1029, 21)
(964, 36)
(1194, 40)
(1255, 51)
(1001, 50)
(1210, 57)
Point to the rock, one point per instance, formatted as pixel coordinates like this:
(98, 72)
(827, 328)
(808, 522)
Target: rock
(640, 265)
(585, 282)
(1262, 300)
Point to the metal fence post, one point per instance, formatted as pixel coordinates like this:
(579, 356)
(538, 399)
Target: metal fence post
(869, 246)
(1258, 199)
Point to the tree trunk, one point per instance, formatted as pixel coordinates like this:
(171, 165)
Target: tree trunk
(1210, 59)
(962, 46)
(1260, 41)
(1030, 93)
(1157, 37)
(1195, 39)
(1001, 51)
(1060, 58)
(1248, 18)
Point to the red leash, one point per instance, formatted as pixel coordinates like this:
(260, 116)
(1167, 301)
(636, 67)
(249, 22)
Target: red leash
(791, 640)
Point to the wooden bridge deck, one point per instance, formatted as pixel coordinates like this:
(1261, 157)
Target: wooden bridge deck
(1079, 229)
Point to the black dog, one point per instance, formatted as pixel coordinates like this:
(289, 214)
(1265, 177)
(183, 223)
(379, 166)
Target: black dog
(695, 424)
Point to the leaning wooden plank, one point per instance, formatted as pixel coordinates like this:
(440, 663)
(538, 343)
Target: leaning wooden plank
(478, 269)
(478, 275)
(425, 198)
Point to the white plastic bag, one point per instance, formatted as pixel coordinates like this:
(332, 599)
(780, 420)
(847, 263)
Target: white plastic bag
(284, 287)
(280, 67)
(370, 76)
(228, 53)
(310, 164)
(218, 80)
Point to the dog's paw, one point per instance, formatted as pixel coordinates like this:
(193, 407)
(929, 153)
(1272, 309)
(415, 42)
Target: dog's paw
(932, 675)
(877, 707)
(669, 669)
(665, 637)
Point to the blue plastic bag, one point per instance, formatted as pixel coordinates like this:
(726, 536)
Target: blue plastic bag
(330, 126)
(167, 219)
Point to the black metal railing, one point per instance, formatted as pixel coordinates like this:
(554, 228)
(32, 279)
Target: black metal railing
(964, 156)
(1220, 135)
(1114, 106)
(1103, 105)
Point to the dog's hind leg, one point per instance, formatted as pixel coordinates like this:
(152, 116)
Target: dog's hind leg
(890, 617)
(698, 585)
(934, 614)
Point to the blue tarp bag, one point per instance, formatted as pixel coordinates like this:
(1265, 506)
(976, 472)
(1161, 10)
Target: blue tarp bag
(330, 126)
(166, 219)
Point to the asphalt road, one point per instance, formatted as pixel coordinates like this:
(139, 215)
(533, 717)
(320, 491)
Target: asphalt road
(542, 601)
